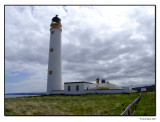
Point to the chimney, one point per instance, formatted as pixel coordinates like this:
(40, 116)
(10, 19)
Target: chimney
(97, 80)
(103, 81)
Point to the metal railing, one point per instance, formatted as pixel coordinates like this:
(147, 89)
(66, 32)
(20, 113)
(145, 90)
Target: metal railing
(132, 107)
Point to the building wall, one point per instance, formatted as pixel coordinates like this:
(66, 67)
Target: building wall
(100, 85)
(87, 86)
(57, 92)
(118, 91)
(54, 81)
(127, 89)
(73, 88)
(83, 89)
(93, 91)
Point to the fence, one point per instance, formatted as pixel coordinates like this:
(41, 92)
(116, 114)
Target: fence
(132, 107)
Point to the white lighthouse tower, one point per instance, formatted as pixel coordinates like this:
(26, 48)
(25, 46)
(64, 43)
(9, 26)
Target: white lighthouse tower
(54, 80)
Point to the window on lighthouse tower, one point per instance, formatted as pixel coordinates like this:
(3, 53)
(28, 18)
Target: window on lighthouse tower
(50, 72)
(52, 32)
(51, 50)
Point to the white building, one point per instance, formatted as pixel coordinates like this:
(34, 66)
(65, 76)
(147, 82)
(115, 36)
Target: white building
(127, 89)
(54, 81)
(103, 85)
(143, 89)
(82, 87)
(76, 87)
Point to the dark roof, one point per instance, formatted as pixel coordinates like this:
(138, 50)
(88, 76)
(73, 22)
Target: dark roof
(77, 82)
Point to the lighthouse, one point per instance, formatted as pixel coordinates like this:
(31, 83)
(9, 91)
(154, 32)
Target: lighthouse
(54, 79)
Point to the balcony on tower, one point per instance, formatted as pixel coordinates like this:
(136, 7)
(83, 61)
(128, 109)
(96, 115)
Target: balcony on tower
(56, 23)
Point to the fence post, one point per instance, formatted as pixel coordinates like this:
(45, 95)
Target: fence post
(132, 107)
(129, 112)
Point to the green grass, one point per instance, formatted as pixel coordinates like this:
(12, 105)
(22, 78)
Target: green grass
(92, 104)
(147, 104)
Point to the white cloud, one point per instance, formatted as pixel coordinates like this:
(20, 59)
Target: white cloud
(111, 42)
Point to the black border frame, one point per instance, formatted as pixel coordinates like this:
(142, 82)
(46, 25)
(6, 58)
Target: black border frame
(86, 5)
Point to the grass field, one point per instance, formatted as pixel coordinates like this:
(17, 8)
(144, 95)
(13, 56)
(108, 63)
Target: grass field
(92, 104)
(147, 104)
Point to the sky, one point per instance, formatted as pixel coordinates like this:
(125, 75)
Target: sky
(115, 43)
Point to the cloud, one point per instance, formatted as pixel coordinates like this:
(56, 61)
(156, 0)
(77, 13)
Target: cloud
(116, 43)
